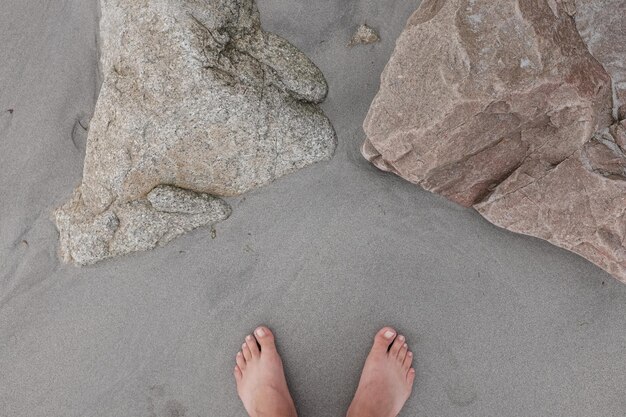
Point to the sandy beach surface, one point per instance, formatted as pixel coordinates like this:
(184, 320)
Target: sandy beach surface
(501, 324)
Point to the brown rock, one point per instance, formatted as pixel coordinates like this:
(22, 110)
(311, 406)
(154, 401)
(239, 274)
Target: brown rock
(497, 107)
(459, 113)
(578, 205)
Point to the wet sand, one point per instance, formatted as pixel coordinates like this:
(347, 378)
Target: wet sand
(501, 324)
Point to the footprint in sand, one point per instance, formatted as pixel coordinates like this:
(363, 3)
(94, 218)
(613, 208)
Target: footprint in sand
(5, 119)
(160, 406)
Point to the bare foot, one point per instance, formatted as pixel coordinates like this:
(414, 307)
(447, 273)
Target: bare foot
(260, 377)
(387, 378)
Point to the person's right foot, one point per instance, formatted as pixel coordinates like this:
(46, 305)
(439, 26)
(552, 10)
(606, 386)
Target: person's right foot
(387, 378)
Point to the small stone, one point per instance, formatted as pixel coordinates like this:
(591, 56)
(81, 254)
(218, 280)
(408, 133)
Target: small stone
(364, 35)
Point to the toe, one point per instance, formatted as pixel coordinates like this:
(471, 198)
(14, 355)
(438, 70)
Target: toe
(237, 373)
(254, 348)
(383, 339)
(410, 376)
(408, 360)
(241, 361)
(402, 354)
(396, 346)
(265, 338)
(246, 352)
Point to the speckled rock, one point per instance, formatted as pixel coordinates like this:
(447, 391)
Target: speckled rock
(195, 96)
(499, 105)
(364, 35)
(165, 213)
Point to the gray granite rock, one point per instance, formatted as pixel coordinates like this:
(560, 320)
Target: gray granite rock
(141, 224)
(196, 96)
(499, 105)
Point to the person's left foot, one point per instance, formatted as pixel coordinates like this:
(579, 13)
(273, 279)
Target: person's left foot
(261, 382)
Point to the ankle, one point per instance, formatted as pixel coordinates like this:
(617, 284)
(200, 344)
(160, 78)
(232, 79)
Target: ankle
(356, 411)
(278, 413)
(365, 409)
(272, 408)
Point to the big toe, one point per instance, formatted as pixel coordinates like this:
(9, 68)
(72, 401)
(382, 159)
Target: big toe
(265, 338)
(383, 339)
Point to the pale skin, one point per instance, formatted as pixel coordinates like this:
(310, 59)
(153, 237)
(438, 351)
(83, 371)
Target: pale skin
(385, 385)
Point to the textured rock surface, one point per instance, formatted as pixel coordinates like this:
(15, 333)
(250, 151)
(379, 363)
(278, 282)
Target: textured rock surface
(579, 204)
(602, 24)
(195, 96)
(165, 213)
(364, 35)
(504, 108)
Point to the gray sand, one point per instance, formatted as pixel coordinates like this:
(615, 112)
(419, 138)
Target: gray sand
(501, 324)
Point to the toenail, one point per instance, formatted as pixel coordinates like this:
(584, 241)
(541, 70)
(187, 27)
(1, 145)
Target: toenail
(410, 353)
(260, 332)
(401, 338)
(244, 346)
(239, 353)
(389, 334)
(404, 345)
(248, 337)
